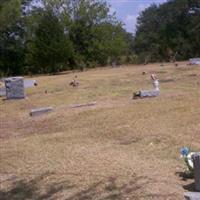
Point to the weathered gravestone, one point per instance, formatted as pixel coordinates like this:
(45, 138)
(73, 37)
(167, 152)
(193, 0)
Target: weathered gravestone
(194, 61)
(27, 84)
(149, 93)
(40, 111)
(15, 88)
(196, 161)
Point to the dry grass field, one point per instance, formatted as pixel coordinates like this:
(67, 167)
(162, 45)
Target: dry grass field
(118, 149)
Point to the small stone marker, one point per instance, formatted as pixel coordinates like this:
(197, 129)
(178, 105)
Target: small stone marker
(192, 195)
(40, 111)
(15, 88)
(194, 61)
(2, 91)
(149, 93)
(30, 83)
(196, 161)
(83, 105)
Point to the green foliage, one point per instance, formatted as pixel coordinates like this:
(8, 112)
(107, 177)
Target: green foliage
(11, 37)
(50, 48)
(168, 30)
(58, 35)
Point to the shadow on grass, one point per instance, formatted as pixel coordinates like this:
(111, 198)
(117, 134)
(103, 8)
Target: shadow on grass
(108, 189)
(190, 187)
(185, 175)
(23, 189)
(111, 190)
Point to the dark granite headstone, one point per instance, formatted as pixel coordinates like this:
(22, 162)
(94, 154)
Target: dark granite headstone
(196, 161)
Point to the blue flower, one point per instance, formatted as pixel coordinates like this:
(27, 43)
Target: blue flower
(184, 151)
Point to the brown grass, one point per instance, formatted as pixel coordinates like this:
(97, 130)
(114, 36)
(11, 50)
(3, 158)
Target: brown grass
(118, 149)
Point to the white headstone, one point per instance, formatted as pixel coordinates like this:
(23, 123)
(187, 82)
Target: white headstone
(194, 61)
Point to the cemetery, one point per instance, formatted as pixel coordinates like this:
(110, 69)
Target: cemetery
(92, 141)
(99, 100)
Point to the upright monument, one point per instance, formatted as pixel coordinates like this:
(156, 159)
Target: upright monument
(15, 88)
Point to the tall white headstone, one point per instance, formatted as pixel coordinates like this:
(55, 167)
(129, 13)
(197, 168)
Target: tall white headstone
(15, 88)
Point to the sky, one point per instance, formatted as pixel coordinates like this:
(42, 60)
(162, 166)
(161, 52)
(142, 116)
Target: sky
(128, 10)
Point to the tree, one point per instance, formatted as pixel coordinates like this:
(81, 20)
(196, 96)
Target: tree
(10, 37)
(55, 35)
(169, 29)
(50, 48)
(96, 34)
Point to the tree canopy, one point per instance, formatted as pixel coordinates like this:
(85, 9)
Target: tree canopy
(48, 36)
(168, 30)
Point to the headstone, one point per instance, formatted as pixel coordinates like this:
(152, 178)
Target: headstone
(2, 91)
(113, 64)
(149, 93)
(194, 61)
(30, 83)
(192, 195)
(40, 111)
(27, 84)
(15, 88)
(196, 161)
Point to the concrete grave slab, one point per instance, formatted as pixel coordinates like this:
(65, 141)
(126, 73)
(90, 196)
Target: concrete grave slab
(149, 93)
(40, 111)
(192, 195)
(83, 105)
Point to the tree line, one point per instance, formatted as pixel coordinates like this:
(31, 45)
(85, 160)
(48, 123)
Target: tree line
(170, 31)
(49, 36)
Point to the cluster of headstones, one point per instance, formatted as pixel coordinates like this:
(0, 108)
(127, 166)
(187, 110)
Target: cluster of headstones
(15, 89)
